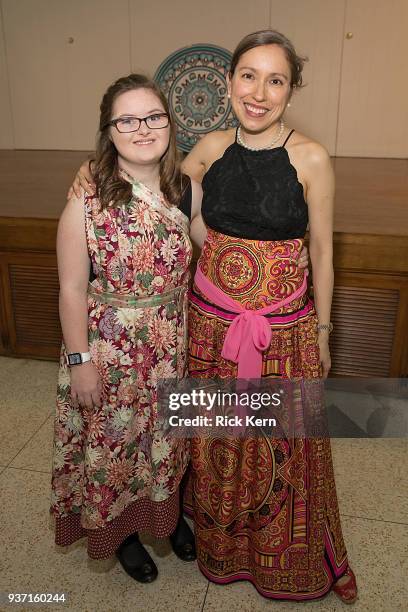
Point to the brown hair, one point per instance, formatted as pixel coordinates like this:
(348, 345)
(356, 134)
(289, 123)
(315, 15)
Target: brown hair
(111, 189)
(271, 37)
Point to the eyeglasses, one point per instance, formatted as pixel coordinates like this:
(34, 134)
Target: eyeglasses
(132, 124)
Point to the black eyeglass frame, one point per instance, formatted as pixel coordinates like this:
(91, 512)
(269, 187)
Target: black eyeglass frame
(114, 122)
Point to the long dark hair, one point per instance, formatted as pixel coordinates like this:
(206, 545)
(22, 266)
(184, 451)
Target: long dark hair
(271, 37)
(111, 189)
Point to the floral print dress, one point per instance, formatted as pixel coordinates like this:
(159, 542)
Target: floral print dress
(114, 472)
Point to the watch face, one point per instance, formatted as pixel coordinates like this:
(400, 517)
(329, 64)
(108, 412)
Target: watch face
(74, 359)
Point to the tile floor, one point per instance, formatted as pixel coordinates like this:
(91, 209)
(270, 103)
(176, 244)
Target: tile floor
(372, 479)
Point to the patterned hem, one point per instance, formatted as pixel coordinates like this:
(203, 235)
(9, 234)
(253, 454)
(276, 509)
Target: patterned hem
(157, 518)
(247, 577)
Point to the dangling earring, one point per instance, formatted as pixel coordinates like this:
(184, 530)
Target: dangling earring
(288, 105)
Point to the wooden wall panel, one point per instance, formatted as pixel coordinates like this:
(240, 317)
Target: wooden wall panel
(181, 23)
(99, 55)
(4, 334)
(34, 293)
(316, 29)
(37, 60)
(31, 292)
(364, 325)
(62, 56)
(6, 123)
(373, 117)
(370, 315)
(40, 190)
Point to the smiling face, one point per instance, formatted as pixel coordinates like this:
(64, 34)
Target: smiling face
(146, 146)
(260, 88)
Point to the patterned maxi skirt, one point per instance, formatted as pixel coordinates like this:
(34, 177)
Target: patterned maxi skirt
(265, 509)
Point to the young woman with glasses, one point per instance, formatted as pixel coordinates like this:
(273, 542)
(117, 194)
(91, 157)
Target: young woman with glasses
(115, 473)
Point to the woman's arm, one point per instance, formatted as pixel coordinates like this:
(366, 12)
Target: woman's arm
(198, 229)
(197, 161)
(320, 200)
(73, 271)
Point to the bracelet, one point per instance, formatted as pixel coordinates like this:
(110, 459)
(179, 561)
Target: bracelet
(325, 326)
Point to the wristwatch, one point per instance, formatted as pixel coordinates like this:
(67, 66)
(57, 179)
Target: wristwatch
(325, 327)
(77, 358)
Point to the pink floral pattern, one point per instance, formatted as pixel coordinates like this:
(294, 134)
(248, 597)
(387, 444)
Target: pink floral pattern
(107, 458)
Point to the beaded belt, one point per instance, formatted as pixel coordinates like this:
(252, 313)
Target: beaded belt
(128, 300)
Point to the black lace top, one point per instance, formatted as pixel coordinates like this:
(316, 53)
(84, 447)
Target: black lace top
(254, 195)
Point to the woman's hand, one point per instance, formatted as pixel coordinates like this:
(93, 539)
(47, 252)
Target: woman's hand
(83, 179)
(324, 349)
(303, 261)
(86, 385)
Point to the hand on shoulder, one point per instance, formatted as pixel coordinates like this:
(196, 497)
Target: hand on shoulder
(76, 199)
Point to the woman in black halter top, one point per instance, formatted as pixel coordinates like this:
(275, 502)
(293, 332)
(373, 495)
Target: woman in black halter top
(254, 194)
(262, 185)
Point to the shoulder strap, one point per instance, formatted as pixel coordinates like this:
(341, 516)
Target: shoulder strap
(185, 201)
(287, 137)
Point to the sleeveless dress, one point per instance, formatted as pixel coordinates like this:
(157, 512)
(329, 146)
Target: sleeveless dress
(265, 509)
(114, 472)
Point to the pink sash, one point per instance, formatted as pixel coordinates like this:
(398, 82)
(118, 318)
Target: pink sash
(249, 333)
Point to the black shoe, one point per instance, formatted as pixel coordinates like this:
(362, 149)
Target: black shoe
(136, 561)
(183, 542)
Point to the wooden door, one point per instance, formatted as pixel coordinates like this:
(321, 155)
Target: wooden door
(6, 124)
(373, 117)
(61, 57)
(316, 29)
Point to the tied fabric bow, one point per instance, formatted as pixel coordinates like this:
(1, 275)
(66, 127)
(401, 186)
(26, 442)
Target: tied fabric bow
(249, 333)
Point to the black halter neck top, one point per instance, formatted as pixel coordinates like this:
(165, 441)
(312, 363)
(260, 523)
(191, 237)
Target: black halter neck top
(254, 195)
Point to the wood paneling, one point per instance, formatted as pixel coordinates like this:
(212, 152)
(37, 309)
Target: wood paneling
(373, 118)
(19, 234)
(377, 305)
(30, 285)
(316, 29)
(4, 327)
(364, 326)
(181, 23)
(34, 184)
(34, 294)
(371, 253)
(371, 196)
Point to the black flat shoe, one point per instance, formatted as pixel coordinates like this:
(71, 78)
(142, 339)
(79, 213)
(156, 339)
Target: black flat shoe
(183, 541)
(136, 561)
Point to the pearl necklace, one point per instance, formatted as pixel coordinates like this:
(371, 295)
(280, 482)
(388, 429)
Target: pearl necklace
(270, 146)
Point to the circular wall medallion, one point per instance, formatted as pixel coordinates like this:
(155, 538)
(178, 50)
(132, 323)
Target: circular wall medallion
(194, 82)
